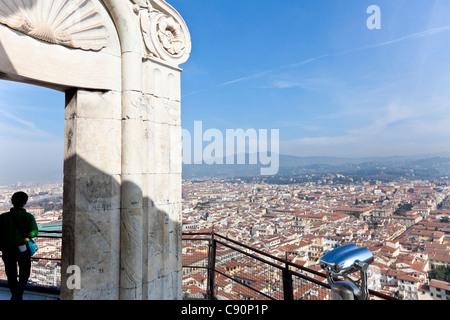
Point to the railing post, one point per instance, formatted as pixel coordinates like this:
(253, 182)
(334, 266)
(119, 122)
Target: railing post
(288, 291)
(211, 267)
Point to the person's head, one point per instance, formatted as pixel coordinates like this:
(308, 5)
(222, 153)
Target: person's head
(19, 199)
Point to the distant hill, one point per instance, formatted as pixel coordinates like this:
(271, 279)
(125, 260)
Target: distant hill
(418, 166)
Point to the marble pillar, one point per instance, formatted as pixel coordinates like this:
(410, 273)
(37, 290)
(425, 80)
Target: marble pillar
(92, 195)
(162, 183)
(118, 63)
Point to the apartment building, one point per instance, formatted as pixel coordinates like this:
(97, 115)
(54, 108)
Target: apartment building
(435, 290)
(439, 290)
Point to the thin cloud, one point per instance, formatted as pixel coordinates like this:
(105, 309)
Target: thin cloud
(23, 122)
(304, 62)
(254, 76)
(401, 128)
(417, 35)
(251, 77)
(20, 128)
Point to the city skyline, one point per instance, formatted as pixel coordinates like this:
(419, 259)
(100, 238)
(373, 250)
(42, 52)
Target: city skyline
(313, 70)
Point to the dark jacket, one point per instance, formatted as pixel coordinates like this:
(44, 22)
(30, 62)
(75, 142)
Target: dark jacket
(15, 234)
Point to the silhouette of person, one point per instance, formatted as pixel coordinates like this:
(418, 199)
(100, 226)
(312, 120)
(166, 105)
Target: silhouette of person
(15, 227)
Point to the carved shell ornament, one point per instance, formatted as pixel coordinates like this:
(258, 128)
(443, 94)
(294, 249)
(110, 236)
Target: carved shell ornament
(72, 23)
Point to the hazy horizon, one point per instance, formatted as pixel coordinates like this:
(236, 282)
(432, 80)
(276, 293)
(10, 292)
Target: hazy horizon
(314, 70)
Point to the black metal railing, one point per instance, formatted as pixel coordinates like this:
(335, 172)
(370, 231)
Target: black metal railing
(237, 271)
(232, 270)
(45, 264)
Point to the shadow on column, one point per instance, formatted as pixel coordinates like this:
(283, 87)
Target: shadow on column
(93, 232)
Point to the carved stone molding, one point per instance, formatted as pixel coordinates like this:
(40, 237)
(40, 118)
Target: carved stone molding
(164, 32)
(72, 23)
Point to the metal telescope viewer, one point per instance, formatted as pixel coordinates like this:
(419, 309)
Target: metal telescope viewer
(342, 262)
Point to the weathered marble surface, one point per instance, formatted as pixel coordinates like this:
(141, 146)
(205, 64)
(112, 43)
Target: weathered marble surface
(122, 170)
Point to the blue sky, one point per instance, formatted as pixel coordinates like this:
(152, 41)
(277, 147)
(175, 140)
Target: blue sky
(311, 69)
(315, 71)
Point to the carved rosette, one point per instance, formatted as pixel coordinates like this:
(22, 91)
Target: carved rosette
(171, 35)
(164, 32)
(72, 23)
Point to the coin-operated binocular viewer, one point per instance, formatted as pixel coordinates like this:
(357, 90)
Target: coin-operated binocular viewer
(343, 261)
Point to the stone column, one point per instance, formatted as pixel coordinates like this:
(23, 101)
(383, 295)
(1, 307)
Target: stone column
(151, 157)
(162, 182)
(154, 41)
(131, 213)
(91, 220)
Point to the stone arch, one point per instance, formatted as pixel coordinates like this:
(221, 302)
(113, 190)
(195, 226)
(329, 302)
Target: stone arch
(121, 210)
